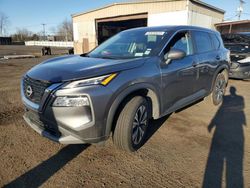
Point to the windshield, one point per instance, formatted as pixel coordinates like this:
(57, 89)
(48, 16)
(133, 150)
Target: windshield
(129, 44)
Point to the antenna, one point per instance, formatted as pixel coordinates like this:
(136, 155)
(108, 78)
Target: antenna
(240, 9)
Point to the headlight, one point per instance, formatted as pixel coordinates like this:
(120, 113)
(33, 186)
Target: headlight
(102, 80)
(71, 101)
(246, 60)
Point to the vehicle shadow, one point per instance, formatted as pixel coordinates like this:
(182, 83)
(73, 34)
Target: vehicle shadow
(41, 173)
(227, 148)
(154, 126)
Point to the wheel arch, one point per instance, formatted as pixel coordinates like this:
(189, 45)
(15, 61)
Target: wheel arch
(221, 69)
(144, 90)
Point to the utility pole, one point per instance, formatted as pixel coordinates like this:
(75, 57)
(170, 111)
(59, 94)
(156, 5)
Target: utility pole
(1, 28)
(240, 9)
(44, 31)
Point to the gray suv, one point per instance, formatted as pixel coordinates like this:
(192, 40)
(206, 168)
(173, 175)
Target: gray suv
(116, 89)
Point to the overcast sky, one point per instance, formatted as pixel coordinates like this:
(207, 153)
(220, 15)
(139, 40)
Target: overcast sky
(31, 14)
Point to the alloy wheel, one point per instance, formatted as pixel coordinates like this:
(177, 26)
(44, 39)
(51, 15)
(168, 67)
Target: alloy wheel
(220, 88)
(140, 124)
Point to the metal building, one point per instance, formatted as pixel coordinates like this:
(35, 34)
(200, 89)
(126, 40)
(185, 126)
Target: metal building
(233, 27)
(93, 27)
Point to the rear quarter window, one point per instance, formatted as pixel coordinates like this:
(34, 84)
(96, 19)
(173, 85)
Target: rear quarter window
(202, 41)
(215, 41)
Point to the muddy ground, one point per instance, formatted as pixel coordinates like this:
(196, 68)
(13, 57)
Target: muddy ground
(200, 146)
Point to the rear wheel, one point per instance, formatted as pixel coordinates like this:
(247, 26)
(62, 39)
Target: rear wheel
(132, 124)
(219, 88)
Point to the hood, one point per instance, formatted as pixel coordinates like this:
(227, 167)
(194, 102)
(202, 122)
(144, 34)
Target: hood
(75, 67)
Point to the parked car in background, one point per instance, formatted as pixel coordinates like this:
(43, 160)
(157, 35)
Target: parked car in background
(137, 75)
(239, 46)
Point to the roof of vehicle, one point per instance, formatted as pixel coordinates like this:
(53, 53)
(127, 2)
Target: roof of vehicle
(173, 28)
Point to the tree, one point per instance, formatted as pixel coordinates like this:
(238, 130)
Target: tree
(23, 35)
(65, 29)
(4, 22)
(35, 37)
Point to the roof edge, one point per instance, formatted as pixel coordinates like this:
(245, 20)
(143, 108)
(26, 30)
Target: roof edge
(209, 6)
(120, 3)
(151, 1)
(232, 22)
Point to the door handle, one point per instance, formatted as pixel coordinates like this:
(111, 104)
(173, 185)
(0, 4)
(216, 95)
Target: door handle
(194, 64)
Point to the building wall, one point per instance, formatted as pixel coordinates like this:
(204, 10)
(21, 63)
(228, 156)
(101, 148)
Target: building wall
(168, 18)
(203, 17)
(180, 12)
(84, 24)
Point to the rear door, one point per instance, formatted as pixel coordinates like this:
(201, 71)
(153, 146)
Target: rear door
(179, 76)
(207, 61)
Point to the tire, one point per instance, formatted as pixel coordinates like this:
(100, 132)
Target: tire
(219, 88)
(133, 119)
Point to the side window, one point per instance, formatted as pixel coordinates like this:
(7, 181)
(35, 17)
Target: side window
(216, 41)
(181, 41)
(202, 41)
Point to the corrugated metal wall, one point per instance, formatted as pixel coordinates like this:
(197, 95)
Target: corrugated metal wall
(85, 24)
(203, 17)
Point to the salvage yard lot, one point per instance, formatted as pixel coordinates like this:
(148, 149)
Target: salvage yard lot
(175, 155)
(28, 50)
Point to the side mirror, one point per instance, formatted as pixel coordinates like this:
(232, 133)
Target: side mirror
(174, 54)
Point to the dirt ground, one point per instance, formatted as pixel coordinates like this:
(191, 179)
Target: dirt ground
(28, 50)
(201, 146)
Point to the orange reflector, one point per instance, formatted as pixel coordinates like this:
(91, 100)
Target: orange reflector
(108, 79)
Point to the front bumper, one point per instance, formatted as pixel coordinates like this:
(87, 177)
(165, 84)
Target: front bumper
(65, 138)
(70, 125)
(241, 72)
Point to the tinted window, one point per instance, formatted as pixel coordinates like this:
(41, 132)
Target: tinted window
(216, 41)
(129, 44)
(203, 42)
(181, 41)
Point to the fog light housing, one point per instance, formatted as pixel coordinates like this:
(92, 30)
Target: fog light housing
(71, 101)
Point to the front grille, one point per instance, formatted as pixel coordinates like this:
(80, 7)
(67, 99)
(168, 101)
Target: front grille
(34, 118)
(34, 89)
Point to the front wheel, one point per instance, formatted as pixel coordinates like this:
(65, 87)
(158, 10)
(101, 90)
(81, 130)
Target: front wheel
(219, 88)
(132, 124)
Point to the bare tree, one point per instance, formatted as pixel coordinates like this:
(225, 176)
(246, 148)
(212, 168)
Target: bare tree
(4, 22)
(22, 35)
(66, 29)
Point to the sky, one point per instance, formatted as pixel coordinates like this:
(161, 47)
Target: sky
(31, 14)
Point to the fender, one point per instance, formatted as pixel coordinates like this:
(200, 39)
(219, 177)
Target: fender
(219, 69)
(152, 94)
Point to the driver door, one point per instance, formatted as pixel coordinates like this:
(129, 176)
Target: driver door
(179, 76)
